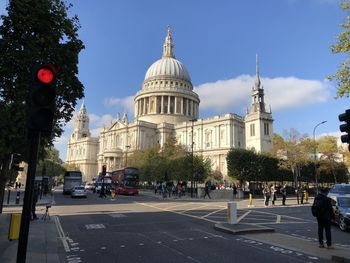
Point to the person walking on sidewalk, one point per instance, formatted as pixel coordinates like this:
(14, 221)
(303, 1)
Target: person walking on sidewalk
(234, 188)
(323, 211)
(266, 193)
(206, 190)
(273, 194)
(283, 191)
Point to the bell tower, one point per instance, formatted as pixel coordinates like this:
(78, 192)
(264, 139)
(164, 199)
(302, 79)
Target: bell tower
(81, 124)
(258, 121)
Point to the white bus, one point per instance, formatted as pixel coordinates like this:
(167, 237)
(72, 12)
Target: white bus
(71, 179)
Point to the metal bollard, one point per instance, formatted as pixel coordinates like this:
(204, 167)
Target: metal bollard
(18, 197)
(232, 213)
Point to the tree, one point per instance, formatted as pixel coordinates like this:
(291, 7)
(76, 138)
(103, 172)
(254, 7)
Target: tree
(35, 32)
(51, 165)
(327, 145)
(342, 76)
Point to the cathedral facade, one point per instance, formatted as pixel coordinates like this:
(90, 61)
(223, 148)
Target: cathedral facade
(167, 106)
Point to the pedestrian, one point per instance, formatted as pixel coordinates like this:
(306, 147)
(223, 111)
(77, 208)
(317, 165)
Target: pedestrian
(234, 187)
(206, 190)
(103, 192)
(323, 211)
(283, 191)
(34, 201)
(273, 191)
(297, 194)
(266, 193)
(302, 193)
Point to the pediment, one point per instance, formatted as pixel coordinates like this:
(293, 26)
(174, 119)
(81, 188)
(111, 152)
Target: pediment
(117, 125)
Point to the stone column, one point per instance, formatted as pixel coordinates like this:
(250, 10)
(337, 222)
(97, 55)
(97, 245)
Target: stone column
(182, 106)
(144, 105)
(168, 104)
(162, 103)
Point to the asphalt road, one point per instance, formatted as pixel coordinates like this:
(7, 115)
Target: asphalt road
(146, 229)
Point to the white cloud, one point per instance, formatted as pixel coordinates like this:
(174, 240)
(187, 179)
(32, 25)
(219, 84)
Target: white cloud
(122, 104)
(100, 121)
(281, 93)
(63, 140)
(96, 132)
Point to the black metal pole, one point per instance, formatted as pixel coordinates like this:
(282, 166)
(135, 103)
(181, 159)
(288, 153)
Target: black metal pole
(192, 161)
(8, 194)
(34, 139)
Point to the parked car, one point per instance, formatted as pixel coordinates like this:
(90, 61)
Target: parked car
(339, 189)
(78, 191)
(341, 208)
(89, 186)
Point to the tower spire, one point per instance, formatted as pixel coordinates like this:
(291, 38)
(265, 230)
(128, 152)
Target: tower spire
(168, 48)
(257, 78)
(82, 107)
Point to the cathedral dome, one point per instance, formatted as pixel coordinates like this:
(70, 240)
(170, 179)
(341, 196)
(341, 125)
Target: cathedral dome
(167, 93)
(167, 67)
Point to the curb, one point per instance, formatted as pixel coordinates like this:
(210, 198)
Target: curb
(340, 259)
(247, 229)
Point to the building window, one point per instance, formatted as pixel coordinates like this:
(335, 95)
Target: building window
(266, 129)
(252, 130)
(159, 104)
(172, 104)
(222, 137)
(165, 104)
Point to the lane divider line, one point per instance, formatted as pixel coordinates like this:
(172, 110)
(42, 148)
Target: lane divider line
(61, 234)
(278, 219)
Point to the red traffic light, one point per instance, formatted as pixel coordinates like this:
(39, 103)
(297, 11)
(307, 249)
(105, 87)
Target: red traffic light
(46, 73)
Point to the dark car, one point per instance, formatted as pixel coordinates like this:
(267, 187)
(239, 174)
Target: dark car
(341, 208)
(339, 189)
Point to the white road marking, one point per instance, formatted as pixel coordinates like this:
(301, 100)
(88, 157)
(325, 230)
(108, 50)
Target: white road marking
(278, 219)
(95, 226)
(61, 234)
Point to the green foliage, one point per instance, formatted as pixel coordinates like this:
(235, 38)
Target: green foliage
(35, 32)
(51, 165)
(171, 162)
(246, 165)
(327, 145)
(342, 76)
(330, 171)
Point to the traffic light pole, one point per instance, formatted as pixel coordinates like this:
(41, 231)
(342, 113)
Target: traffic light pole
(34, 139)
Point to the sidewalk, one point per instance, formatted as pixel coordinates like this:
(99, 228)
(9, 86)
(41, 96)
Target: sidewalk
(241, 203)
(43, 236)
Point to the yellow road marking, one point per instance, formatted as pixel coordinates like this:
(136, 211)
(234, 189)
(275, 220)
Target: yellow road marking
(193, 208)
(213, 213)
(175, 212)
(243, 216)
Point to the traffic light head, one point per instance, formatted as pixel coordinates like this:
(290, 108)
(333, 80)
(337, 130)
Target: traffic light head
(345, 127)
(42, 98)
(104, 170)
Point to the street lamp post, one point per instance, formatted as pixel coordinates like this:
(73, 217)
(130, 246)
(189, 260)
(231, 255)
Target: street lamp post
(315, 148)
(126, 154)
(192, 168)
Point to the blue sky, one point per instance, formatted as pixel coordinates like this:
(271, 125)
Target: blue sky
(217, 41)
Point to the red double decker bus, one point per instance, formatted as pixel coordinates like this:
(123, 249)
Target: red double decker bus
(126, 181)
